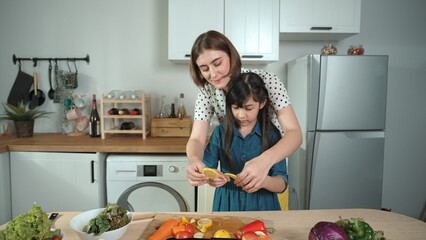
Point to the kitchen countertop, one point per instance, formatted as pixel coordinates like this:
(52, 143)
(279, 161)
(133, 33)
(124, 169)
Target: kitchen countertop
(293, 224)
(57, 142)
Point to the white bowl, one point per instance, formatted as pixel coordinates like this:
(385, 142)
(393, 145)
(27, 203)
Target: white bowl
(78, 222)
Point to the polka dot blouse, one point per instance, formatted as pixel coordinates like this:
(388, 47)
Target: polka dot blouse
(211, 100)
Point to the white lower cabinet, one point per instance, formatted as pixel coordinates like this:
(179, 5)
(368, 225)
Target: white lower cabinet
(5, 199)
(205, 196)
(57, 181)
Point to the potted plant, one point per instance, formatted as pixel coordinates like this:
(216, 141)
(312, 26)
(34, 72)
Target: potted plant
(23, 117)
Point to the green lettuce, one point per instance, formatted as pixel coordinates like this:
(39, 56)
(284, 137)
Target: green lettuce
(111, 218)
(32, 225)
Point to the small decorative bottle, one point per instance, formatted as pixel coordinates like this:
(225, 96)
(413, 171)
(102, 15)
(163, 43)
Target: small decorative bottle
(95, 124)
(172, 112)
(181, 108)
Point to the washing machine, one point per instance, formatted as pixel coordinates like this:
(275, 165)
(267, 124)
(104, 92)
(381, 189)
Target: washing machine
(150, 183)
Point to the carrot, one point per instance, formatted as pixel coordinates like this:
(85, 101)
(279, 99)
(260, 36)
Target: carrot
(165, 230)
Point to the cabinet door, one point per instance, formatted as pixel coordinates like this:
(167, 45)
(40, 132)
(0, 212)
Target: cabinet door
(57, 181)
(5, 204)
(187, 20)
(253, 27)
(319, 19)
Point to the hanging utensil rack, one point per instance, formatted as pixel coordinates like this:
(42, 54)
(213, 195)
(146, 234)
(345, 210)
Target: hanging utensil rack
(36, 59)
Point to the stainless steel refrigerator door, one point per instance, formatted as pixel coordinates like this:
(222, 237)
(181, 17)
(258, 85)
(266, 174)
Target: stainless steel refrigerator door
(347, 169)
(352, 92)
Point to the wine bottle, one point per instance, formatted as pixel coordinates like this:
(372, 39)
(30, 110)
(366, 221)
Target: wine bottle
(181, 108)
(95, 124)
(172, 112)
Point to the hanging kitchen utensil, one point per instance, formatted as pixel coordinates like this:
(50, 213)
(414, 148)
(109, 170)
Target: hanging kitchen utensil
(57, 97)
(51, 92)
(37, 97)
(71, 80)
(20, 88)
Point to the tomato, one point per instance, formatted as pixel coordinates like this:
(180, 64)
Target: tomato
(56, 238)
(189, 228)
(183, 235)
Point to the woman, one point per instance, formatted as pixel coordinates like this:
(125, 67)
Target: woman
(246, 132)
(214, 61)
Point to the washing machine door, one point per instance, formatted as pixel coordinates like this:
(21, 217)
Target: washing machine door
(152, 197)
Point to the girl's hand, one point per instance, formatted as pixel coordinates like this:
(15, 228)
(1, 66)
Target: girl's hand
(194, 173)
(217, 182)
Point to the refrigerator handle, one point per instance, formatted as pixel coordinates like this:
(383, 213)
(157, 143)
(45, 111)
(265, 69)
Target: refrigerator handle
(369, 134)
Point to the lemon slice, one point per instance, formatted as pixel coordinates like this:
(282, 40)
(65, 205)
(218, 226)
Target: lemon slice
(222, 234)
(210, 173)
(203, 224)
(228, 176)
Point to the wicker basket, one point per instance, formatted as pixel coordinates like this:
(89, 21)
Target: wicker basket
(24, 128)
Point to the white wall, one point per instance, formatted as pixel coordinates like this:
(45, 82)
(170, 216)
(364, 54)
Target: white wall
(127, 44)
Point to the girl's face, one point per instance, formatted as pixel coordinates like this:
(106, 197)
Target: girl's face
(214, 66)
(246, 116)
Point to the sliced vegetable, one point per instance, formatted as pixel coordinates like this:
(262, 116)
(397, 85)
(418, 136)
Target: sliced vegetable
(190, 228)
(254, 226)
(165, 230)
(183, 235)
(198, 235)
(177, 229)
(183, 221)
(327, 230)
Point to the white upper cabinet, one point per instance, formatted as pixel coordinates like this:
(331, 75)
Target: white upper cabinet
(319, 19)
(251, 25)
(187, 20)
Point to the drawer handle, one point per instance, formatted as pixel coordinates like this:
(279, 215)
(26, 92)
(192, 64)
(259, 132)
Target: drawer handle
(252, 56)
(321, 28)
(92, 163)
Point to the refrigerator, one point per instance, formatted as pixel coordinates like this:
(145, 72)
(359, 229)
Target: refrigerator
(340, 102)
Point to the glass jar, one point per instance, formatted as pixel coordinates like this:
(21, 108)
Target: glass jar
(329, 49)
(356, 49)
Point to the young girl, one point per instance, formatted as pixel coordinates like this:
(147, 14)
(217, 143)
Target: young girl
(214, 61)
(246, 132)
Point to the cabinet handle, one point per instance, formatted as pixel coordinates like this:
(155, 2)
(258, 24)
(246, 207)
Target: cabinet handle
(188, 55)
(92, 166)
(321, 28)
(252, 56)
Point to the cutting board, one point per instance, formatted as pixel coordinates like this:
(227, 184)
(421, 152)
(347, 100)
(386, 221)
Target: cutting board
(228, 223)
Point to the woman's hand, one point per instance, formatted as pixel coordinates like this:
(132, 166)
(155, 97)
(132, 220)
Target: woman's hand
(253, 175)
(194, 173)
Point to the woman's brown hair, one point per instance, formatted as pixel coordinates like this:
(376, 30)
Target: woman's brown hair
(213, 40)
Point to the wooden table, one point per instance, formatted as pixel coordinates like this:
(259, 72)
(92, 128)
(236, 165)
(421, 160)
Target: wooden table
(289, 224)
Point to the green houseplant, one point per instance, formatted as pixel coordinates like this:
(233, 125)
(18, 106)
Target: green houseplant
(23, 117)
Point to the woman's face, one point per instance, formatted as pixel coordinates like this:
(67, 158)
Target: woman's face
(214, 66)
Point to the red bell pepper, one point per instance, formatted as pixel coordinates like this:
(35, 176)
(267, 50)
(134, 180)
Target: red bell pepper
(255, 226)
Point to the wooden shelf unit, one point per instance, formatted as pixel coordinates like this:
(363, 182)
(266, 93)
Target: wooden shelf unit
(110, 124)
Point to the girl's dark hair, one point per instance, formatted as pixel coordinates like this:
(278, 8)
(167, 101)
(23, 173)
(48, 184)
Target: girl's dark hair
(213, 40)
(241, 87)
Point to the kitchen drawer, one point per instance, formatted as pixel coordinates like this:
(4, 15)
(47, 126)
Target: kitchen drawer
(171, 127)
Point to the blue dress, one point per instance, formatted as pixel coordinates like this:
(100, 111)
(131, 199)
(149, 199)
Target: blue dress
(230, 197)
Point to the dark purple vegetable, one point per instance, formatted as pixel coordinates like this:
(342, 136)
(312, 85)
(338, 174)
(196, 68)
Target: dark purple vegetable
(327, 231)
